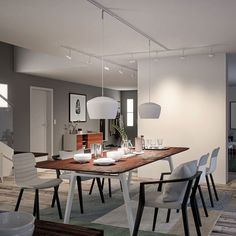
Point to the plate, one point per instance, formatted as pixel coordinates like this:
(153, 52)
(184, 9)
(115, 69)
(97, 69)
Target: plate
(128, 155)
(138, 153)
(157, 148)
(104, 161)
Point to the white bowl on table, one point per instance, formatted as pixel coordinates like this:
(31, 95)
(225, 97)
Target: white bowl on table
(16, 224)
(115, 155)
(82, 157)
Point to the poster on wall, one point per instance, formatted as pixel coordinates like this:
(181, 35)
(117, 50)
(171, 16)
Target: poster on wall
(77, 107)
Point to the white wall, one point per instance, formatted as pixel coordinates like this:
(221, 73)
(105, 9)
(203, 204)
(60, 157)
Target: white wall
(192, 93)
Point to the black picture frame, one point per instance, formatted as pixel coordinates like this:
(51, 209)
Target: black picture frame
(77, 107)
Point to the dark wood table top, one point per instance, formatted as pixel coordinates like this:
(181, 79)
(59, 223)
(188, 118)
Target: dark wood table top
(119, 167)
(48, 228)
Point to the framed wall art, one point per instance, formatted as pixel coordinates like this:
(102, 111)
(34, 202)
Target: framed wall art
(77, 107)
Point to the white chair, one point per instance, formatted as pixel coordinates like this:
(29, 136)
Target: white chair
(202, 167)
(26, 178)
(176, 194)
(209, 171)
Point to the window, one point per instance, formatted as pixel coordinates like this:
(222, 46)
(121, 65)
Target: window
(130, 112)
(4, 93)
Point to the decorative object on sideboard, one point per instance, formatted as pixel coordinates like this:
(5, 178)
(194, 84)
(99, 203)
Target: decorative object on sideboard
(102, 107)
(72, 128)
(149, 110)
(77, 107)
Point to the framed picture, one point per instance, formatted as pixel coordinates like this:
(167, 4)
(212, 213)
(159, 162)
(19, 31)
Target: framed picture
(233, 115)
(77, 107)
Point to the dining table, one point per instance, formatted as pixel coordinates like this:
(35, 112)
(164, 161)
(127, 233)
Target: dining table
(121, 170)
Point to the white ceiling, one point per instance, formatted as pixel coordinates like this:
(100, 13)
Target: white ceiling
(44, 26)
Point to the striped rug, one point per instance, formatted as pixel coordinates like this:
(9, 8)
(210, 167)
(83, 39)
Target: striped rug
(226, 225)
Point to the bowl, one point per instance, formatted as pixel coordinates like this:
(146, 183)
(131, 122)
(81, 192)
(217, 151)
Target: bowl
(82, 157)
(16, 223)
(115, 155)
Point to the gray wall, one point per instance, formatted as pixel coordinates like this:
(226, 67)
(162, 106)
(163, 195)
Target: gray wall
(132, 94)
(19, 94)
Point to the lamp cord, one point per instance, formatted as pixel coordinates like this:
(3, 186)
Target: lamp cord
(149, 65)
(102, 51)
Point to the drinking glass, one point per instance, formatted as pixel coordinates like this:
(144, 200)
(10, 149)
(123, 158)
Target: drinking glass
(98, 151)
(159, 142)
(153, 143)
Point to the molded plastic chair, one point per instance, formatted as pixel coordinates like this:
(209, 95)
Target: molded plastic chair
(209, 171)
(155, 199)
(26, 178)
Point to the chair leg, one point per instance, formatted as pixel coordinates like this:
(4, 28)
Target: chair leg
(197, 211)
(185, 221)
(214, 187)
(209, 191)
(195, 217)
(58, 202)
(91, 188)
(109, 186)
(121, 187)
(78, 180)
(138, 219)
(168, 216)
(103, 180)
(154, 219)
(37, 203)
(202, 199)
(19, 199)
(100, 189)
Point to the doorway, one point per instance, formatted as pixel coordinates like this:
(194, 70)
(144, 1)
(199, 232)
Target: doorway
(41, 120)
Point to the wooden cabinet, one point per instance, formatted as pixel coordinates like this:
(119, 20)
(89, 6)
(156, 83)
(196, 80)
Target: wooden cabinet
(72, 142)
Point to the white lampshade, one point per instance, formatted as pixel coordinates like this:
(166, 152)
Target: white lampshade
(149, 110)
(102, 108)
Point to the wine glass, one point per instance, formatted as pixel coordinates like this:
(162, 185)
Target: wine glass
(159, 142)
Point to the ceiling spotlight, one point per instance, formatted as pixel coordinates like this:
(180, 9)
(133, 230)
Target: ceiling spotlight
(132, 60)
(211, 54)
(182, 57)
(156, 57)
(89, 61)
(121, 71)
(106, 68)
(68, 56)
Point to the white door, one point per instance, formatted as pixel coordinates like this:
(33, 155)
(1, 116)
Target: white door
(41, 120)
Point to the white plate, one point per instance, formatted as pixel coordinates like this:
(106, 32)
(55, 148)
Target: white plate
(138, 153)
(128, 155)
(104, 161)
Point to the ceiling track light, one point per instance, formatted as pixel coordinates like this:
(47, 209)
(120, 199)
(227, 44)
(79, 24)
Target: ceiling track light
(132, 60)
(182, 57)
(211, 54)
(121, 71)
(156, 57)
(106, 68)
(68, 56)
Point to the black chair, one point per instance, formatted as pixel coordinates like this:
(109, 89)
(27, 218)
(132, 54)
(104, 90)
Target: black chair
(189, 194)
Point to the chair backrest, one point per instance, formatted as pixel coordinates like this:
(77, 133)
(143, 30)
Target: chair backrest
(202, 167)
(213, 161)
(24, 168)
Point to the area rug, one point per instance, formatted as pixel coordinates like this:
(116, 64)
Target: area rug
(226, 224)
(175, 225)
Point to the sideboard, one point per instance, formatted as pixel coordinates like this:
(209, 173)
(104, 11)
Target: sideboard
(72, 142)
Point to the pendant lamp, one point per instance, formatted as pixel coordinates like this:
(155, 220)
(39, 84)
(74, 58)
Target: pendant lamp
(102, 107)
(149, 110)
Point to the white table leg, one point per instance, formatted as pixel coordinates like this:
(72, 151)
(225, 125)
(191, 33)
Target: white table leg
(129, 212)
(169, 159)
(70, 197)
(129, 178)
